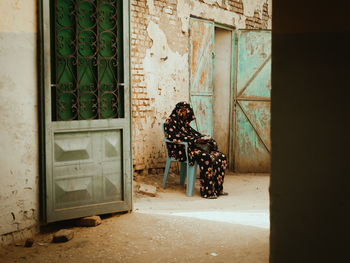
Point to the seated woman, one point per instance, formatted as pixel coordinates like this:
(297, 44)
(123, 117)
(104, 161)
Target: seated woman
(202, 149)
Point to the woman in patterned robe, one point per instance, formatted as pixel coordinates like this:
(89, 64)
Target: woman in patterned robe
(212, 164)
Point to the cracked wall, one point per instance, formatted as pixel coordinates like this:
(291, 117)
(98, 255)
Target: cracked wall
(19, 190)
(159, 62)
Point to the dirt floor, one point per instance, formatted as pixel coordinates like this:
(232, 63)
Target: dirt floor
(170, 227)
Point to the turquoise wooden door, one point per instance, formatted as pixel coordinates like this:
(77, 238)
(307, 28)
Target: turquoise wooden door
(87, 100)
(252, 145)
(202, 73)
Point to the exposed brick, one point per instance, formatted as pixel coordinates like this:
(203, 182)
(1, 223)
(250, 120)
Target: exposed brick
(142, 105)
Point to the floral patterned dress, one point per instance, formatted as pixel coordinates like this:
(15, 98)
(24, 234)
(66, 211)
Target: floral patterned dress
(212, 164)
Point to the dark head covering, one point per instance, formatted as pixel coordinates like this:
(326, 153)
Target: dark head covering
(189, 116)
(177, 128)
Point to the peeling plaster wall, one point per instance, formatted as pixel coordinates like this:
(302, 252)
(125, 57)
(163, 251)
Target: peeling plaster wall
(159, 61)
(18, 122)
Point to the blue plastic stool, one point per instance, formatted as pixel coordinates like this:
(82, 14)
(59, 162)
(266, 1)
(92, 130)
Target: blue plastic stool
(186, 169)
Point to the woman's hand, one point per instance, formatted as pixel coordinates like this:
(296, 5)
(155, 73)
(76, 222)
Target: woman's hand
(203, 139)
(200, 140)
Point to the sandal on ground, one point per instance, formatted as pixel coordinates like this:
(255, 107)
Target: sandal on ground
(223, 193)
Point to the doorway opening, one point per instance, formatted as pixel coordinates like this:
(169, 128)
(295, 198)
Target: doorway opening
(222, 89)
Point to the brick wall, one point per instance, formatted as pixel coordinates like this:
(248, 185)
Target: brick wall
(257, 22)
(151, 104)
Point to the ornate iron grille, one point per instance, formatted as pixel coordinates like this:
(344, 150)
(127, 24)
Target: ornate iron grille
(86, 59)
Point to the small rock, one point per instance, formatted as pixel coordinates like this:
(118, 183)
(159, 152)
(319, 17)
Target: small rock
(42, 243)
(213, 254)
(63, 235)
(147, 189)
(89, 221)
(29, 242)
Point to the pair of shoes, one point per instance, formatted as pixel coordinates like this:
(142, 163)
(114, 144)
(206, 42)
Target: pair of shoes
(212, 197)
(223, 193)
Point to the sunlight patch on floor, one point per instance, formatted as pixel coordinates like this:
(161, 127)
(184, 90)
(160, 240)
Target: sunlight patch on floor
(253, 218)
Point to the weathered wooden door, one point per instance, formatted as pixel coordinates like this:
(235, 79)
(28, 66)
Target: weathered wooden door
(252, 145)
(87, 116)
(202, 73)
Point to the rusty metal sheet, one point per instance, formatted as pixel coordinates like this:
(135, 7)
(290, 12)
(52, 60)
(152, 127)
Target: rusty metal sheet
(258, 113)
(202, 73)
(254, 64)
(253, 137)
(252, 101)
(251, 155)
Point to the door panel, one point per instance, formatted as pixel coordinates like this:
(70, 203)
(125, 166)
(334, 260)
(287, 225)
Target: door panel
(258, 113)
(260, 85)
(87, 115)
(251, 152)
(90, 171)
(201, 73)
(252, 101)
(254, 51)
(202, 106)
(85, 162)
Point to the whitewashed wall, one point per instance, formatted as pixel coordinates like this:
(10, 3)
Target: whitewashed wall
(19, 174)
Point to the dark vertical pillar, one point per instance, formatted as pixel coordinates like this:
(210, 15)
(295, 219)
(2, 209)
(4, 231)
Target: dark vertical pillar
(310, 185)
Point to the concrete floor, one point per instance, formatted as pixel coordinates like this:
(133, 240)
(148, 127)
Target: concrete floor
(170, 227)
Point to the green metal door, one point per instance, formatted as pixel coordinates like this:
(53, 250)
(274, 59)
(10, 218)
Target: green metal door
(252, 144)
(87, 101)
(202, 73)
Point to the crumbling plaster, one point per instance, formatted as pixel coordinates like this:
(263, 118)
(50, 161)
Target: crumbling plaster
(250, 6)
(166, 76)
(165, 64)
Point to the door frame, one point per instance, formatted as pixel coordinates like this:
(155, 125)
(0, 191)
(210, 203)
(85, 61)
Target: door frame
(44, 106)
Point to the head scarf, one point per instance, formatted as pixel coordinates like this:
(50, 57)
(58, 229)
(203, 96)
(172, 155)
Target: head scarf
(177, 128)
(189, 116)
